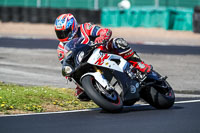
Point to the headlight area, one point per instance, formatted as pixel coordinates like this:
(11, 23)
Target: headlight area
(67, 70)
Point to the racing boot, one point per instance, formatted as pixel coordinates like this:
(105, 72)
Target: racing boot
(139, 64)
(81, 95)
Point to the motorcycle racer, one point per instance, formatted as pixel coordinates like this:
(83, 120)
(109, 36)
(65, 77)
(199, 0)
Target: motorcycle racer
(66, 28)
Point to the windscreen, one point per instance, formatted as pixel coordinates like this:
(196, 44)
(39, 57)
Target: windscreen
(73, 43)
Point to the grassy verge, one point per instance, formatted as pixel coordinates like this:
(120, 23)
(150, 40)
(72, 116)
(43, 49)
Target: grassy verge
(15, 99)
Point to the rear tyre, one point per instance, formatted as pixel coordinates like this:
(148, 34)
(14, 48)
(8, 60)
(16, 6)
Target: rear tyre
(110, 105)
(160, 98)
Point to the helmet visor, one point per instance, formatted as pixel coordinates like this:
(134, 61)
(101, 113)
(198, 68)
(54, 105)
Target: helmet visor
(62, 34)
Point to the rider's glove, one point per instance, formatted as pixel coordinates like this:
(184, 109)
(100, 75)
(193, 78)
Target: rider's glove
(104, 35)
(99, 39)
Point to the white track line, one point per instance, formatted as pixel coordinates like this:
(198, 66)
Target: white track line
(86, 110)
(60, 112)
(189, 101)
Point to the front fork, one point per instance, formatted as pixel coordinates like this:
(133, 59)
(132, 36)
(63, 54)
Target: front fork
(102, 80)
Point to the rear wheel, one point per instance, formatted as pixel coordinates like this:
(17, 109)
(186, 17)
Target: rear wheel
(108, 100)
(160, 96)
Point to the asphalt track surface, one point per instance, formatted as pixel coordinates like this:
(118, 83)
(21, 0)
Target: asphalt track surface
(52, 44)
(181, 118)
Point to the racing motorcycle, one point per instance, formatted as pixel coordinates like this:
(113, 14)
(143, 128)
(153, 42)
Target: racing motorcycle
(112, 82)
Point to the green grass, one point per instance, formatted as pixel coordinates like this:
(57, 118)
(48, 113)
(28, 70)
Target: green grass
(16, 99)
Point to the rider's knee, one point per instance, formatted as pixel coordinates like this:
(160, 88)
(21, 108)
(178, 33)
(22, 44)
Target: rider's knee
(120, 43)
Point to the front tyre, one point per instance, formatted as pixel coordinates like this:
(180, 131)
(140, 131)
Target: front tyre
(112, 103)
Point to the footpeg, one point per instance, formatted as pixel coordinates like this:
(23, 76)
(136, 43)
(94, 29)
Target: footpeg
(164, 78)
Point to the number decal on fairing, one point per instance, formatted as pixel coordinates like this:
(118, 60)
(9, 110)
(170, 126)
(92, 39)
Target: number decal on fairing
(101, 59)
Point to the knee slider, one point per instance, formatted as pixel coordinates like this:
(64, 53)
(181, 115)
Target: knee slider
(120, 43)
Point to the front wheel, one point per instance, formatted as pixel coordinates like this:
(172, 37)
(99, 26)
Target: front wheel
(109, 101)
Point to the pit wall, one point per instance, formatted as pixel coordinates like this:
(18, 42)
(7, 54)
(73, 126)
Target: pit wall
(166, 18)
(46, 15)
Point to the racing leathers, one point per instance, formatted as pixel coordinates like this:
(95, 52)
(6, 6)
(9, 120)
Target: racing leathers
(119, 46)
